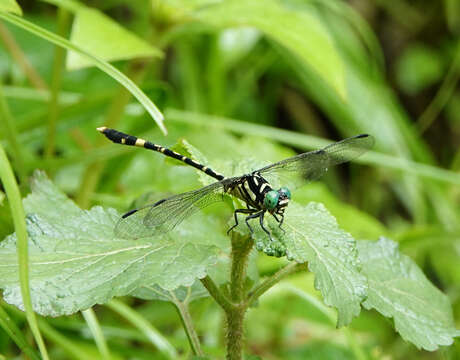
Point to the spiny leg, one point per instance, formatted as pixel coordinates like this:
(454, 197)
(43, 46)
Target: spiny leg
(280, 222)
(253, 216)
(241, 211)
(261, 220)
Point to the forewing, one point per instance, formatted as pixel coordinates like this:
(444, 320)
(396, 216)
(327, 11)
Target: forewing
(303, 168)
(164, 215)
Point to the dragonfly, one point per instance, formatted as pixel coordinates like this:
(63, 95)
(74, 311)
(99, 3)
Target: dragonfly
(255, 189)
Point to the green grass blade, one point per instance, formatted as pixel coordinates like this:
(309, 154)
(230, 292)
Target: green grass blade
(16, 335)
(308, 142)
(145, 327)
(56, 82)
(14, 196)
(103, 65)
(73, 349)
(96, 331)
(9, 130)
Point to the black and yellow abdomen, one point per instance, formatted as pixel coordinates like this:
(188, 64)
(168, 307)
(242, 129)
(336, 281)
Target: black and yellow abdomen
(125, 139)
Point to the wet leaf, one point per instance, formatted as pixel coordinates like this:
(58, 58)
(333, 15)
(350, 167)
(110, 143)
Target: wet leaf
(76, 262)
(398, 288)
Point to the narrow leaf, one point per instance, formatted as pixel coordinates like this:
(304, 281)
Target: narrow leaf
(300, 32)
(103, 65)
(10, 6)
(99, 35)
(137, 320)
(399, 289)
(21, 249)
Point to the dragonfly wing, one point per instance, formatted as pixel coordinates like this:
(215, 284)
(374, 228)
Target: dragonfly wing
(303, 168)
(164, 215)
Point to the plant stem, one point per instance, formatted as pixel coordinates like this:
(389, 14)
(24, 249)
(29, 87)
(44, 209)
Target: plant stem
(56, 80)
(216, 293)
(291, 268)
(235, 319)
(182, 308)
(241, 247)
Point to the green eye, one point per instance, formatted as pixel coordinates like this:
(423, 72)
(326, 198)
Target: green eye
(285, 191)
(271, 199)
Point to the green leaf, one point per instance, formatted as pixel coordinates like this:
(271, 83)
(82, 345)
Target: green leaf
(399, 289)
(10, 6)
(75, 261)
(181, 294)
(358, 223)
(300, 32)
(99, 35)
(313, 236)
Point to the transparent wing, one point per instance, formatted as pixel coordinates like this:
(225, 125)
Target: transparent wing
(303, 168)
(165, 214)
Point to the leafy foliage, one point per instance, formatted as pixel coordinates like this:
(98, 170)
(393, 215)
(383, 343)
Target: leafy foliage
(399, 289)
(75, 262)
(109, 41)
(312, 235)
(238, 78)
(283, 24)
(11, 6)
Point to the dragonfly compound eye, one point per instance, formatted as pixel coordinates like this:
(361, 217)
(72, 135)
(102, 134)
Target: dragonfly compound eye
(271, 199)
(284, 192)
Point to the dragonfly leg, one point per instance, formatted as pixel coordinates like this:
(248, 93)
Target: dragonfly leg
(280, 222)
(261, 220)
(253, 216)
(240, 211)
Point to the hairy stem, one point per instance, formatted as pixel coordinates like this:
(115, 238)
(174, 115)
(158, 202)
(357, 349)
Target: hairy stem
(235, 320)
(241, 247)
(216, 293)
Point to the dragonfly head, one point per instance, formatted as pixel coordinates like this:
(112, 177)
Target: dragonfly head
(276, 201)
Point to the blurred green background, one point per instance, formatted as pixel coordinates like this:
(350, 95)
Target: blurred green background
(247, 79)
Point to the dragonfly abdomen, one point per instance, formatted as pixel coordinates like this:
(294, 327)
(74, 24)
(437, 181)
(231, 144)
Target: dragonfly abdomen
(125, 139)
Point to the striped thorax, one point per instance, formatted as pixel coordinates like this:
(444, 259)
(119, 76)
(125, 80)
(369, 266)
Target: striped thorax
(258, 194)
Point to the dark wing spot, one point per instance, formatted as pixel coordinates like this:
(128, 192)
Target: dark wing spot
(129, 213)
